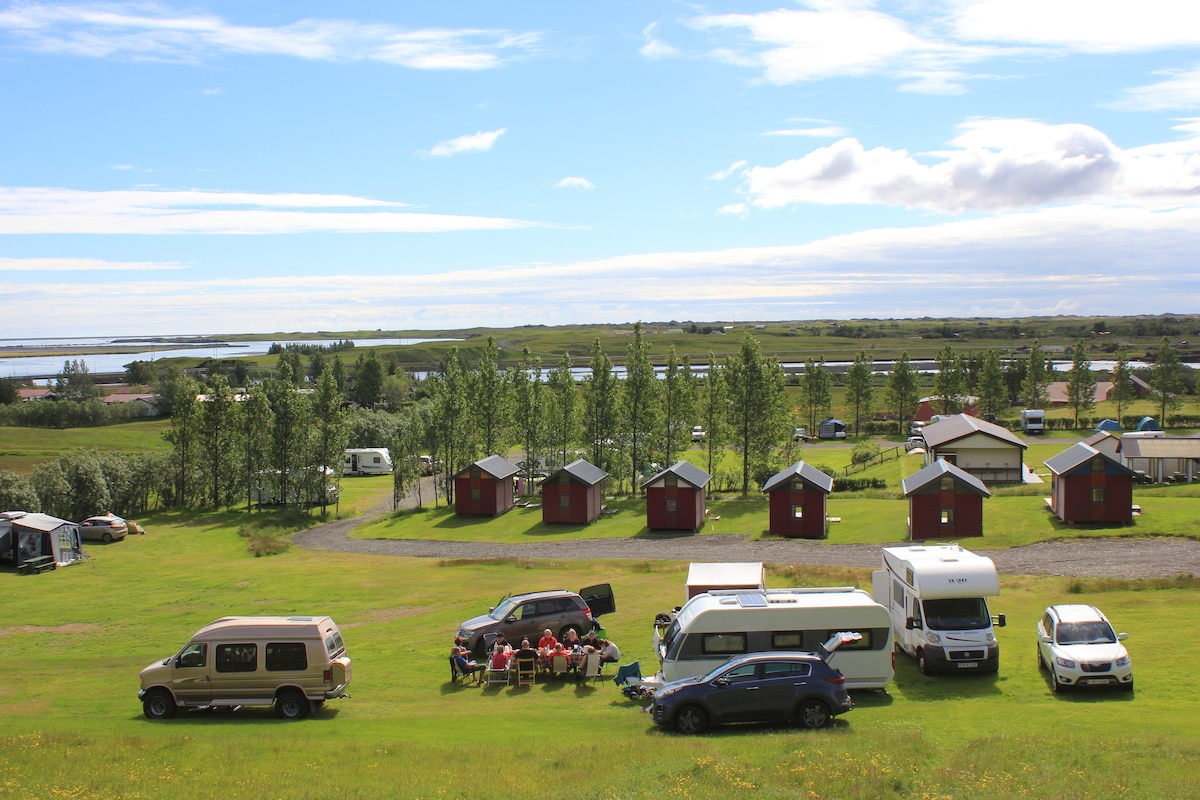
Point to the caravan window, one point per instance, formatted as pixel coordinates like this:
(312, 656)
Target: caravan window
(723, 643)
(789, 640)
(867, 642)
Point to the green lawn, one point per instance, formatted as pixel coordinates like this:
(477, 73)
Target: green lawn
(21, 449)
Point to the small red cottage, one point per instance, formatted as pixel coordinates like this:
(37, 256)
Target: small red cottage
(1087, 485)
(675, 498)
(484, 488)
(797, 500)
(573, 494)
(944, 502)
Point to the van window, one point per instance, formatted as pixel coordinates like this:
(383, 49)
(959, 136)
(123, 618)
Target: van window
(237, 657)
(334, 644)
(723, 643)
(283, 656)
(790, 640)
(194, 655)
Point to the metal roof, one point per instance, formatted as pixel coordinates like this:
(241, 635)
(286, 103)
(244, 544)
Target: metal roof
(687, 472)
(495, 466)
(583, 471)
(806, 472)
(960, 426)
(934, 473)
(1078, 455)
(1174, 447)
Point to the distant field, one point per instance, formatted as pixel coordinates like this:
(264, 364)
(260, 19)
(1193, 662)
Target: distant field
(21, 449)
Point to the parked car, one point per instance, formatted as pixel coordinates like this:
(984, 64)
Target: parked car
(800, 434)
(103, 528)
(529, 614)
(698, 433)
(1077, 644)
(430, 465)
(760, 687)
(914, 442)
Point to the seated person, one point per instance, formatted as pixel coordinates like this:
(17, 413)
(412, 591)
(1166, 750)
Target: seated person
(500, 640)
(526, 651)
(547, 641)
(500, 657)
(467, 666)
(609, 652)
(591, 640)
(572, 642)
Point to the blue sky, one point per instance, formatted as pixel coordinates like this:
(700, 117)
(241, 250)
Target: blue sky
(217, 167)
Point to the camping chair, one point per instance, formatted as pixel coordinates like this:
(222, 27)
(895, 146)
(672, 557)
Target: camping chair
(627, 671)
(456, 673)
(593, 668)
(526, 671)
(497, 676)
(559, 665)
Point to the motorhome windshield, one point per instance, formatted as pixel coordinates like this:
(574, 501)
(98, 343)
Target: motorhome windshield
(669, 638)
(957, 614)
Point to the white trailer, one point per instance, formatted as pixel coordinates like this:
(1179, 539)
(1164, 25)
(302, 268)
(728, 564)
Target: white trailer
(715, 626)
(367, 461)
(937, 599)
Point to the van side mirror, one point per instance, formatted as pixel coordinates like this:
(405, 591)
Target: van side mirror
(1001, 621)
(1044, 639)
(910, 624)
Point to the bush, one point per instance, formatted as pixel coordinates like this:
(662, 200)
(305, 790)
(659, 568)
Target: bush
(863, 452)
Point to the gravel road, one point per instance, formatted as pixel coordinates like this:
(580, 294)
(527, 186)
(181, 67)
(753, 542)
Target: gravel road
(1083, 558)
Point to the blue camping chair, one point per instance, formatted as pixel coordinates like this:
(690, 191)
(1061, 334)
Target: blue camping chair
(626, 671)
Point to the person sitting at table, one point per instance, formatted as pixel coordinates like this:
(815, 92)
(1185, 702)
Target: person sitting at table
(572, 642)
(500, 657)
(558, 650)
(467, 666)
(547, 641)
(526, 651)
(500, 640)
(609, 652)
(590, 639)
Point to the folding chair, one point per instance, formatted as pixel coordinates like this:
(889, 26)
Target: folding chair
(497, 676)
(526, 671)
(627, 671)
(559, 665)
(593, 668)
(456, 673)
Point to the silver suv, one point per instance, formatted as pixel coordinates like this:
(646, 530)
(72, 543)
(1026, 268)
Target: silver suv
(529, 614)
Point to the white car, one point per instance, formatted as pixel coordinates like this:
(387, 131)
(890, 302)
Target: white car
(1077, 644)
(699, 434)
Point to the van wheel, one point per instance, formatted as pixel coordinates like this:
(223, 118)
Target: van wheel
(291, 705)
(691, 719)
(158, 704)
(922, 664)
(813, 714)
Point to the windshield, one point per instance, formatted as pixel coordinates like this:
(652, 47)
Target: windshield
(1085, 633)
(504, 610)
(957, 614)
(669, 637)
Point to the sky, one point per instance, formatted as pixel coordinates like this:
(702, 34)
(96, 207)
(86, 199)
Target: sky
(226, 166)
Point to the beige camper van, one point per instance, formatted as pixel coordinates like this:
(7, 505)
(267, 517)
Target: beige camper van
(293, 663)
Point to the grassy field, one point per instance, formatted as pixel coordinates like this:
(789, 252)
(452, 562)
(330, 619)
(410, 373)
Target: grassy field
(73, 641)
(21, 449)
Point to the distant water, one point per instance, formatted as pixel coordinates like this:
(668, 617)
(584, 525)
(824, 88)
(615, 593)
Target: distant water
(27, 366)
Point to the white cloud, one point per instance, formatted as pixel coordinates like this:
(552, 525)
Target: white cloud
(1181, 89)
(991, 165)
(1089, 26)
(211, 92)
(575, 183)
(821, 132)
(478, 142)
(47, 210)
(722, 174)
(734, 210)
(654, 48)
(82, 265)
(149, 31)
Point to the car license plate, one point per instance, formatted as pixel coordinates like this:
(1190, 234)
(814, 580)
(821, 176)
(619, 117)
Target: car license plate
(1095, 681)
(968, 664)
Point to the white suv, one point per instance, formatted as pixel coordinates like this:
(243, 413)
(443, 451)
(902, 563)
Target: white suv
(1077, 644)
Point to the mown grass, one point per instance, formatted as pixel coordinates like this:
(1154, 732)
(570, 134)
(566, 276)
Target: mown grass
(21, 449)
(72, 642)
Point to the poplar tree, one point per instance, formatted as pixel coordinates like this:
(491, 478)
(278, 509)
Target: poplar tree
(860, 387)
(993, 395)
(1122, 378)
(331, 431)
(529, 407)
(1166, 379)
(816, 387)
(184, 433)
(219, 427)
(1081, 383)
(903, 390)
(757, 405)
(490, 399)
(601, 405)
(255, 422)
(289, 435)
(640, 407)
(678, 403)
(950, 381)
(714, 397)
(450, 416)
(562, 409)
(1037, 377)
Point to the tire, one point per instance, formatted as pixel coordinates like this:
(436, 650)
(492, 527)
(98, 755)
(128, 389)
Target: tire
(922, 664)
(1055, 686)
(691, 719)
(291, 705)
(106, 538)
(813, 714)
(1041, 661)
(1127, 687)
(158, 704)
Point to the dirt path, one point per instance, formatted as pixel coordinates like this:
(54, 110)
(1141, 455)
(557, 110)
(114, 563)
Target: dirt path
(1083, 558)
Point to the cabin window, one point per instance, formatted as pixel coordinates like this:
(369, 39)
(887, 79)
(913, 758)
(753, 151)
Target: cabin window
(947, 516)
(564, 478)
(564, 501)
(798, 484)
(670, 481)
(790, 640)
(947, 484)
(375, 460)
(237, 657)
(476, 495)
(476, 473)
(797, 510)
(671, 504)
(1097, 494)
(1097, 465)
(284, 656)
(723, 644)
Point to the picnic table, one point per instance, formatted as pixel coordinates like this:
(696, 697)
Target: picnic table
(36, 565)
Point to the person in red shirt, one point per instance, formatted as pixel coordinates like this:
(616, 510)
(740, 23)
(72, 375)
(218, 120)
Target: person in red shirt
(500, 658)
(547, 641)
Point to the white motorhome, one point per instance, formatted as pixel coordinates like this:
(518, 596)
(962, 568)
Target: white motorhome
(715, 626)
(1033, 420)
(367, 461)
(937, 598)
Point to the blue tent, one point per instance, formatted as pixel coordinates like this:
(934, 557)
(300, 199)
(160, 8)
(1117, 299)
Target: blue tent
(1148, 424)
(1108, 425)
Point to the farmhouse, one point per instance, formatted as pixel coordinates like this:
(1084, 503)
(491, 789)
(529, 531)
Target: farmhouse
(1087, 485)
(991, 453)
(573, 494)
(944, 502)
(797, 502)
(675, 498)
(485, 488)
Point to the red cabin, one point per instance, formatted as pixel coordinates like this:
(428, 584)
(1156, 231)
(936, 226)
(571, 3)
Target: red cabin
(573, 494)
(944, 502)
(797, 501)
(485, 488)
(1087, 485)
(675, 498)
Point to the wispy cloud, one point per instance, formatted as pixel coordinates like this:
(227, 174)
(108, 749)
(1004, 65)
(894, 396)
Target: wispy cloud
(38, 265)
(1081, 26)
(575, 183)
(655, 48)
(48, 210)
(478, 142)
(1179, 89)
(149, 31)
(990, 165)
(722, 174)
(819, 132)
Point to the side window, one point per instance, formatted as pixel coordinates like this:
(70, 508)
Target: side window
(1048, 624)
(284, 656)
(743, 673)
(237, 657)
(916, 614)
(723, 643)
(194, 655)
(867, 642)
(897, 594)
(786, 669)
(789, 640)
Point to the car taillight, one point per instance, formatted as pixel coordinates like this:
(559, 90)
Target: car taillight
(329, 676)
(835, 679)
(588, 613)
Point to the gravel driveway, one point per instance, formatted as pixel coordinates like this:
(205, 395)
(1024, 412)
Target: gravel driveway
(1083, 558)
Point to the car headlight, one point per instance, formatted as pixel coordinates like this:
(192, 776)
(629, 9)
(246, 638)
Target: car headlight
(934, 638)
(990, 638)
(1064, 662)
(1123, 661)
